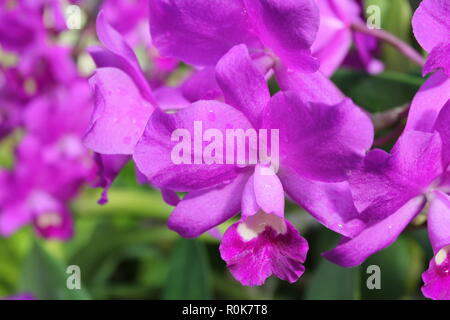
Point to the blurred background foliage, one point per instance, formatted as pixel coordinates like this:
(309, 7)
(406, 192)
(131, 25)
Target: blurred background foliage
(125, 250)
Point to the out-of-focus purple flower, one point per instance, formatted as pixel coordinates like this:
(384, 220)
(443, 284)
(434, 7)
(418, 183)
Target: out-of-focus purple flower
(431, 28)
(201, 32)
(22, 24)
(335, 38)
(51, 164)
(310, 170)
(38, 72)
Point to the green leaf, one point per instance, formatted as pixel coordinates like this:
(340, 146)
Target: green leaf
(332, 282)
(401, 265)
(329, 281)
(45, 277)
(378, 93)
(189, 275)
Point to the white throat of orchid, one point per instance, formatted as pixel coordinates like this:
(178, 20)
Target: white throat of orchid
(441, 256)
(257, 223)
(47, 220)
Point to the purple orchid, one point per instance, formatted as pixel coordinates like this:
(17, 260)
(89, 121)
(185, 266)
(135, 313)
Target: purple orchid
(431, 28)
(319, 144)
(51, 165)
(390, 190)
(335, 38)
(38, 72)
(22, 26)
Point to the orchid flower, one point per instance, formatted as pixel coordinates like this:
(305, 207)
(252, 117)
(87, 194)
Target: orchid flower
(319, 144)
(390, 190)
(335, 37)
(51, 165)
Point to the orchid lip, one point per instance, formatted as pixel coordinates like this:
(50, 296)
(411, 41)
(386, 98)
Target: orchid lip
(256, 224)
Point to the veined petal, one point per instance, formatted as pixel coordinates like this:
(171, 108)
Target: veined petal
(243, 85)
(329, 203)
(439, 221)
(320, 142)
(263, 191)
(352, 252)
(386, 182)
(288, 28)
(191, 170)
(202, 85)
(430, 22)
(254, 250)
(120, 113)
(121, 55)
(109, 166)
(200, 211)
(439, 58)
(428, 102)
(199, 32)
(310, 87)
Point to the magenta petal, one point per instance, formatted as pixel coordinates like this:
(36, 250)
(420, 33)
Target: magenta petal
(202, 85)
(199, 32)
(437, 277)
(263, 191)
(431, 25)
(243, 85)
(329, 140)
(124, 58)
(311, 87)
(249, 205)
(439, 220)
(442, 126)
(288, 28)
(109, 166)
(252, 261)
(439, 58)
(353, 251)
(386, 182)
(120, 113)
(13, 217)
(155, 152)
(428, 102)
(269, 192)
(170, 197)
(201, 211)
(170, 99)
(56, 224)
(329, 203)
(332, 56)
